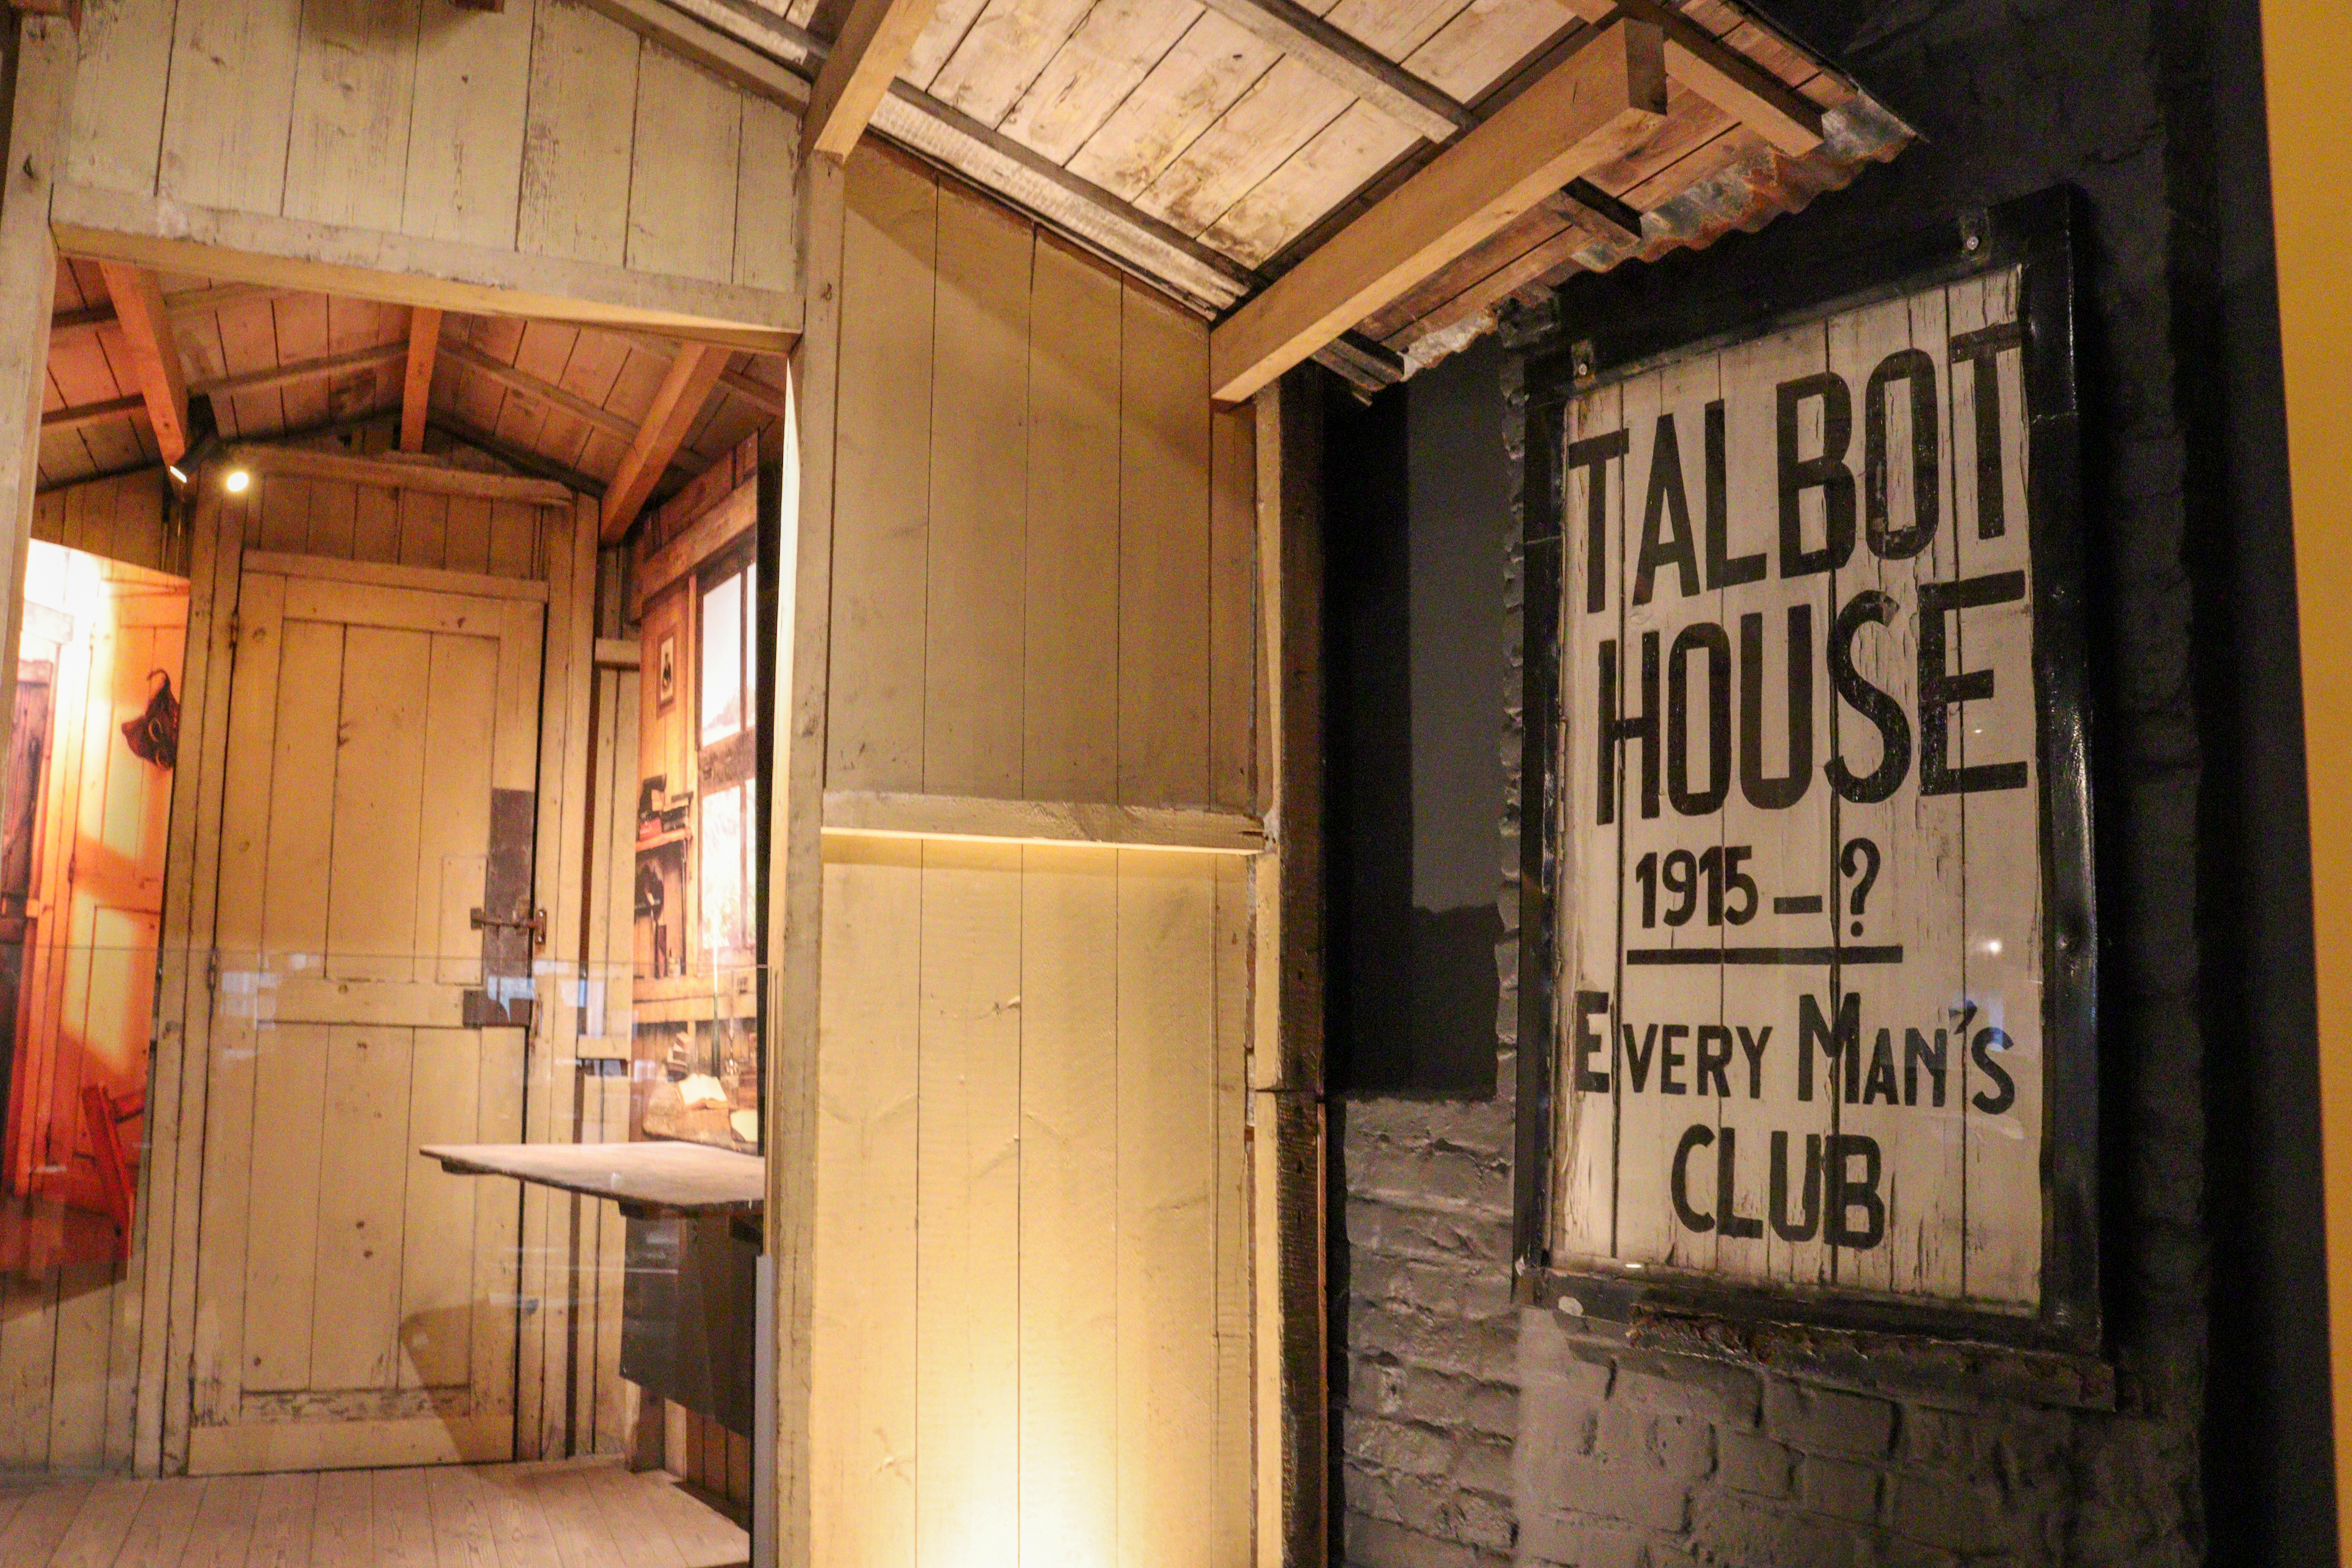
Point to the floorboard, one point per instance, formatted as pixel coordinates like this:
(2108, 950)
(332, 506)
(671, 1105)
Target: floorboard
(586, 1514)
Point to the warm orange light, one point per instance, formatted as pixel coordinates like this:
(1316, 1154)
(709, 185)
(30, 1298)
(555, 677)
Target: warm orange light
(236, 481)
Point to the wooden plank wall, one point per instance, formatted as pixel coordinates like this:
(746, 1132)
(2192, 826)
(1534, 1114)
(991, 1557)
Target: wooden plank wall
(1032, 1312)
(545, 128)
(126, 518)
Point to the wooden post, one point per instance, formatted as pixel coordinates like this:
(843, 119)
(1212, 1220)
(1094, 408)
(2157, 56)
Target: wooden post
(1286, 1034)
(36, 119)
(2303, 70)
(796, 736)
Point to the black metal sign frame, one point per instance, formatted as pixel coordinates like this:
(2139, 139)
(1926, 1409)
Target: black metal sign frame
(1560, 362)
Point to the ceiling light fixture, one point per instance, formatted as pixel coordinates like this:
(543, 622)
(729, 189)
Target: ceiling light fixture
(236, 481)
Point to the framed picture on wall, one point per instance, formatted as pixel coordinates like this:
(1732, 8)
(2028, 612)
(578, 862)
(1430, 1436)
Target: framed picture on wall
(665, 675)
(1807, 920)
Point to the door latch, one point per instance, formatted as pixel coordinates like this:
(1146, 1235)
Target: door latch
(536, 925)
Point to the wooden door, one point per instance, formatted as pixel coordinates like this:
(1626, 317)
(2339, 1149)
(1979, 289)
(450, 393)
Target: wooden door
(354, 1305)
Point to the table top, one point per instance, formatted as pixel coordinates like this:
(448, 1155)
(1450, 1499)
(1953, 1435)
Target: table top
(647, 1180)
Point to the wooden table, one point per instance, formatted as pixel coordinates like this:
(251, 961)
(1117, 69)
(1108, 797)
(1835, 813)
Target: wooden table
(649, 1180)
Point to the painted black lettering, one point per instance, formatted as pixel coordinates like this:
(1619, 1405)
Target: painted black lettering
(1764, 792)
(1878, 1083)
(1706, 637)
(1714, 1058)
(1593, 453)
(1670, 1059)
(1847, 1193)
(1942, 688)
(1887, 543)
(1786, 1228)
(1825, 471)
(1840, 1045)
(1980, 1048)
(1727, 1215)
(1678, 1182)
(1668, 504)
(1589, 1042)
(1616, 731)
(1723, 569)
(1980, 350)
(1637, 1058)
(1869, 607)
(1918, 1052)
(1752, 1045)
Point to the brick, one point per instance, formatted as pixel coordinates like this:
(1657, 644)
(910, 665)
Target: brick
(1753, 1464)
(1630, 1493)
(1954, 1514)
(1690, 1387)
(1823, 1421)
(1741, 1531)
(1581, 1540)
(1406, 1446)
(1483, 1464)
(1382, 1544)
(1834, 1487)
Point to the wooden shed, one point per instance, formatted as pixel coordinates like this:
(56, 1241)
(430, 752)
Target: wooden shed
(750, 578)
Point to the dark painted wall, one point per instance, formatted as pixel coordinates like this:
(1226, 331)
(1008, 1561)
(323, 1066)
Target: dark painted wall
(1472, 1432)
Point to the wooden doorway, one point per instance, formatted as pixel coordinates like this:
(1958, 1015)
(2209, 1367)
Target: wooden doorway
(370, 992)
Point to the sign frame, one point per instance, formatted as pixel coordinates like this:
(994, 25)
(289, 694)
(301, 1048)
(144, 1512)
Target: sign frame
(1555, 364)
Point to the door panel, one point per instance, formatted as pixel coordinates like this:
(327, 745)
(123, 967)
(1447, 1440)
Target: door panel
(355, 1306)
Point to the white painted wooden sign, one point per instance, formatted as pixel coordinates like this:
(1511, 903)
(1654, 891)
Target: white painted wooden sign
(1800, 1005)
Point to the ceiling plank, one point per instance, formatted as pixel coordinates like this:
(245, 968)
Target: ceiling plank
(195, 302)
(301, 371)
(416, 386)
(864, 60)
(1712, 68)
(469, 433)
(1351, 64)
(82, 416)
(1595, 105)
(683, 392)
(154, 351)
(531, 386)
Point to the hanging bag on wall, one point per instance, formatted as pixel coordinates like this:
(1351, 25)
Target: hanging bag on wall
(154, 735)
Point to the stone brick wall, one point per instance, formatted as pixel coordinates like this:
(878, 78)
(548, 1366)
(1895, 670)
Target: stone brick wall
(1470, 1433)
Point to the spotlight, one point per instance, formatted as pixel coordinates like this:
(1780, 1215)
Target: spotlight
(236, 481)
(179, 476)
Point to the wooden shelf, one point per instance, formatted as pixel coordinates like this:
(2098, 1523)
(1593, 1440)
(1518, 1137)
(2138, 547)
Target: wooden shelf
(664, 840)
(647, 1180)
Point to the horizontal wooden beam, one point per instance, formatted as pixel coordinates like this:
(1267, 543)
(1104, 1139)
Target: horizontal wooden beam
(861, 814)
(529, 385)
(1594, 106)
(865, 58)
(82, 415)
(530, 462)
(1342, 59)
(1595, 211)
(402, 270)
(407, 476)
(775, 400)
(301, 371)
(1785, 118)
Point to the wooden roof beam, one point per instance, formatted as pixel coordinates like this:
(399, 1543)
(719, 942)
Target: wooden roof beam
(301, 371)
(1355, 66)
(417, 385)
(1720, 74)
(863, 62)
(683, 392)
(155, 368)
(529, 385)
(530, 462)
(1594, 106)
(82, 415)
(194, 302)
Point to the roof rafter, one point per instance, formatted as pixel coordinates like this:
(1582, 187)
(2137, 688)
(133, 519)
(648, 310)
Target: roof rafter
(866, 58)
(524, 384)
(676, 406)
(1349, 64)
(1723, 75)
(417, 385)
(154, 353)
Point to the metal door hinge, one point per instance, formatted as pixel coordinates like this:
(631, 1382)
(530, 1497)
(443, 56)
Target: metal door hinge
(212, 970)
(536, 924)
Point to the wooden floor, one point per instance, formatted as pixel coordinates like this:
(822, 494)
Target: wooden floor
(579, 1514)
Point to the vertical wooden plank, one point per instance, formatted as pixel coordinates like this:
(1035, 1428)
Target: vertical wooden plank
(875, 704)
(1233, 609)
(1165, 1257)
(862, 1395)
(1069, 710)
(375, 525)
(354, 80)
(334, 518)
(1069, 1207)
(227, 120)
(438, 1284)
(683, 174)
(467, 546)
(767, 191)
(118, 113)
(464, 145)
(363, 1201)
(968, 1271)
(513, 543)
(973, 657)
(285, 1176)
(372, 890)
(1229, 1528)
(1163, 548)
(285, 512)
(576, 144)
(423, 528)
